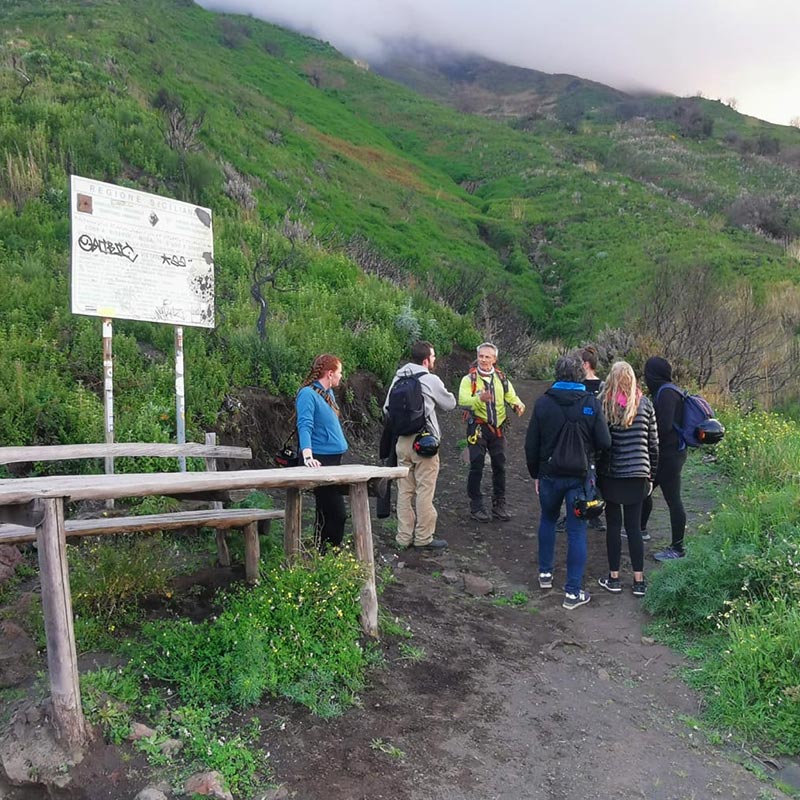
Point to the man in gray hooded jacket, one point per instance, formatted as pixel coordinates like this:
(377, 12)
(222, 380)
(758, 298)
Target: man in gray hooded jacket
(416, 514)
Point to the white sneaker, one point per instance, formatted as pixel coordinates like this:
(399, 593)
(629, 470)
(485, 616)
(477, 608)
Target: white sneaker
(545, 580)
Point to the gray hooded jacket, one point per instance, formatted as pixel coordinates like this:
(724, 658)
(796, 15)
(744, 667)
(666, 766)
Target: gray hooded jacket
(433, 390)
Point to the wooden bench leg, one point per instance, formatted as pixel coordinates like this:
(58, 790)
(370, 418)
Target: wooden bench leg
(223, 554)
(62, 659)
(362, 532)
(292, 524)
(252, 552)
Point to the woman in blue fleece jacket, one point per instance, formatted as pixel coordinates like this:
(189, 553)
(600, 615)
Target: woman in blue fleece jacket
(322, 443)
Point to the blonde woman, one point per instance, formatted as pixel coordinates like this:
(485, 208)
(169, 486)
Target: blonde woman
(625, 472)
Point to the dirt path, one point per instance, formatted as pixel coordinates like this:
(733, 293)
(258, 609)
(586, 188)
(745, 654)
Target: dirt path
(511, 703)
(491, 701)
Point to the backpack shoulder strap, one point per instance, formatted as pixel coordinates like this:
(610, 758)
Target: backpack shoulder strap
(327, 398)
(503, 378)
(672, 386)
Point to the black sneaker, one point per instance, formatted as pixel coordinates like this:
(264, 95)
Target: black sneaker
(574, 600)
(640, 588)
(499, 511)
(613, 585)
(481, 515)
(545, 580)
(433, 544)
(669, 554)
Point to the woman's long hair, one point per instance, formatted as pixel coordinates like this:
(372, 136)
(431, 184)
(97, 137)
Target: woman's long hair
(621, 395)
(321, 365)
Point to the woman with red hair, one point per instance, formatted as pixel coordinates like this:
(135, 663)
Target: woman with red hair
(322, 443)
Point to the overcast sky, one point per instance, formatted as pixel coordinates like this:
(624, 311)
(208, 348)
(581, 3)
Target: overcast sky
(742, 49)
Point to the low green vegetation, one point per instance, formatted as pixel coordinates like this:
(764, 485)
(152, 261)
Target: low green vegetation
(351, 215)
(735, 595)
(295, 635)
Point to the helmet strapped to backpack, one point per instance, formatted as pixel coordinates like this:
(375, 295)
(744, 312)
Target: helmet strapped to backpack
(426, 444)
(710, 431)
(589, 503)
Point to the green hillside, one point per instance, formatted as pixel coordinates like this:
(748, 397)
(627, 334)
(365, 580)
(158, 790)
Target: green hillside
(362, 214)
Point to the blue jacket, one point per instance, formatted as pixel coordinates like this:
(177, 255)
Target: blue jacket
(318, 427)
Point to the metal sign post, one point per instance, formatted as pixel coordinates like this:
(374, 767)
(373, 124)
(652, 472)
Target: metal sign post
(180, 397)
(108, 396)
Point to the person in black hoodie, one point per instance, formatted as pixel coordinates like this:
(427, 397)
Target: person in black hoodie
(566, 398)
(671, 454)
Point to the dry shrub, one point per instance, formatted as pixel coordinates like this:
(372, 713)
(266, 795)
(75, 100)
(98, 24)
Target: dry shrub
(724, 335)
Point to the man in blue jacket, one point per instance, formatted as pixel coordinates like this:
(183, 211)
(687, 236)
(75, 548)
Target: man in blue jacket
(566, 399)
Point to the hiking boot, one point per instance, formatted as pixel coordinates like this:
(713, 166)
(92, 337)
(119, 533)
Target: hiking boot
(574, 600)
(597, 524)
(613, 585)
(545, 580)
(480, 515)
(639, 588)
(499, 511)
(433, 544)
(668, 554)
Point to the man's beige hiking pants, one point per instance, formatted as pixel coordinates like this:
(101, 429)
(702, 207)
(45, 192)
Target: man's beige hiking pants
(416, 516)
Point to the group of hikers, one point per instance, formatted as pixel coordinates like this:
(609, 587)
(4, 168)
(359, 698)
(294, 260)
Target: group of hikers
(583, 434)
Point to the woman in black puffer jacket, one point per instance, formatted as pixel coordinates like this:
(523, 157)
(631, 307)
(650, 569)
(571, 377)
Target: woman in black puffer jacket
(626, 471)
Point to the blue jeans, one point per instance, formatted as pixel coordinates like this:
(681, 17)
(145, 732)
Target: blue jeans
(552, 493)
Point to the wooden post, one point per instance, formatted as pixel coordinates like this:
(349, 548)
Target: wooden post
(362, 532)
(62, 658)
(252, 552)
(292, 523)
(223, 554)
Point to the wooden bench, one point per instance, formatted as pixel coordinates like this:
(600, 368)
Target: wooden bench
(251, 521)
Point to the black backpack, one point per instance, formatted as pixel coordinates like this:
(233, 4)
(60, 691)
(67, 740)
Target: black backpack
(406, 406)
(569, 456)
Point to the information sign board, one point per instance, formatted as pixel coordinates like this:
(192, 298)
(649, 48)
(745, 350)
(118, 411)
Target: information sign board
(140, 256)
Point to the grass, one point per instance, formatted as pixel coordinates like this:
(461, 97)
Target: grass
(387, 748)
(344, 196)
(732, 604)
(409, 652)
(297, 635)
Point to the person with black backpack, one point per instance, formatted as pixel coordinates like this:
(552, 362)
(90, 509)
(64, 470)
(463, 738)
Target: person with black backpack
(410, 407)
(567, 427)
(668, 404)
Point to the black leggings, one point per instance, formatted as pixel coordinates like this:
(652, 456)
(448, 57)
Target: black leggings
(614, 515)
(668, 478)
(331, 513)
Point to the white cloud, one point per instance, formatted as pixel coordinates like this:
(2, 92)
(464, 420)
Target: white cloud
(743, 49)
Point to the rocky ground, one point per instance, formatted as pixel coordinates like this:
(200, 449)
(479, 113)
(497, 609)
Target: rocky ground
(490, 700)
